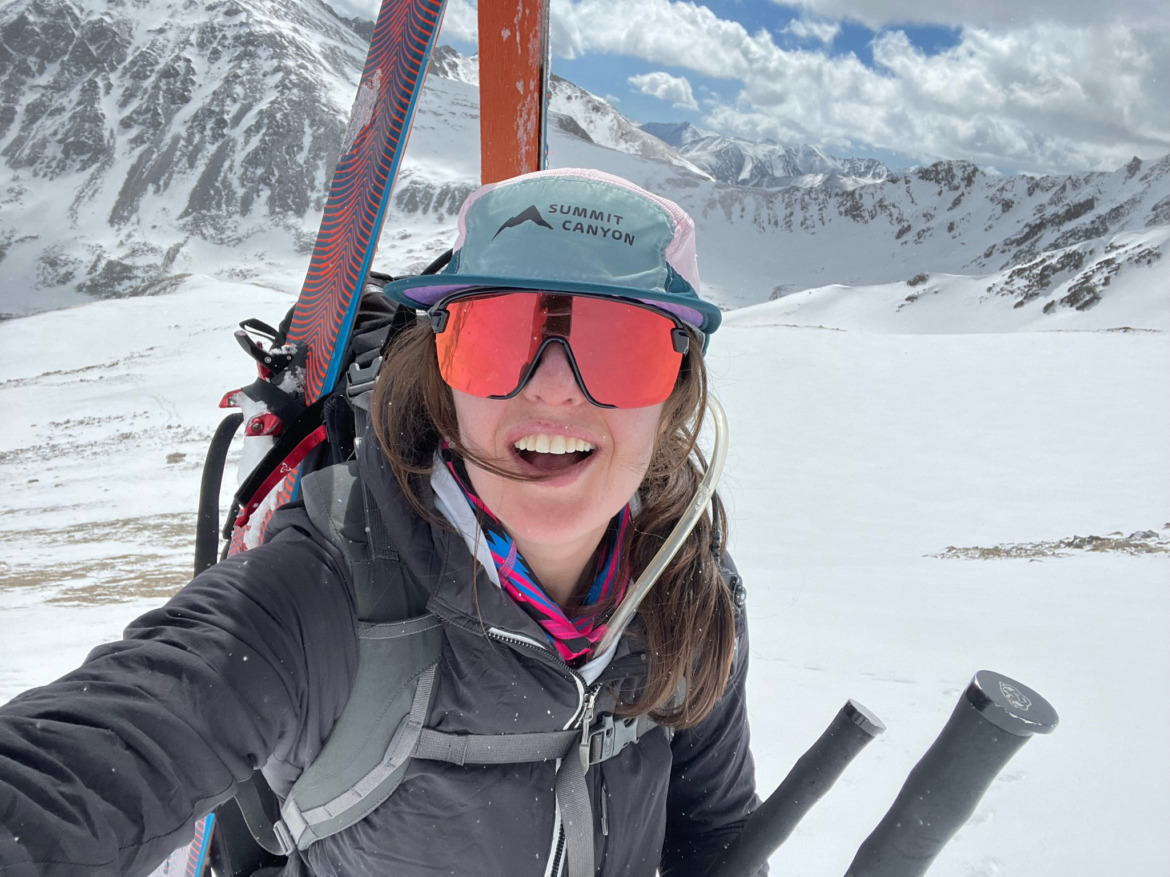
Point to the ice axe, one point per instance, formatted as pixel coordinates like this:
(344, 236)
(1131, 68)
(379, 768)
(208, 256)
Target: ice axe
(994, 717)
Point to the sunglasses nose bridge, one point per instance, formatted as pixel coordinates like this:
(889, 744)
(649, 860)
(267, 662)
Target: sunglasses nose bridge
(543, 361)
(571, 361)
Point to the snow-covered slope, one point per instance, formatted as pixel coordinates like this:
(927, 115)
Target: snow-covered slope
(140, 140)
(576, 111)
(1123, 283)
(905, 509)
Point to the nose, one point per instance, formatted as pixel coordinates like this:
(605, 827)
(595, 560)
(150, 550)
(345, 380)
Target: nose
(553, 382)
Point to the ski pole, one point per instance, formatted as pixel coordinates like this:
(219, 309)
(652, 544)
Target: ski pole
(812, 775)
(994, 718)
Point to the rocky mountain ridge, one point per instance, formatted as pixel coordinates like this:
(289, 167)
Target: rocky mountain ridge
(765, 165)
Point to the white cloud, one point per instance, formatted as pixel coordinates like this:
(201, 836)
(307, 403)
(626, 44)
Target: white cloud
(659, 31)
(820, 30)
(877, 14)
(1036, 96)
(663, 86)
(460, 22)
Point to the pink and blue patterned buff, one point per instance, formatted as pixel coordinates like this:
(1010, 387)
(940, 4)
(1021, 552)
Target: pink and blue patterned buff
(573, 638)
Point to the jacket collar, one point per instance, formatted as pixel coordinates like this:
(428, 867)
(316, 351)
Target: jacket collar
(440, 555)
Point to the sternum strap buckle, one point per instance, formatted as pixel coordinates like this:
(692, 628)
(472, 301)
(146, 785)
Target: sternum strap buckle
(610, 735)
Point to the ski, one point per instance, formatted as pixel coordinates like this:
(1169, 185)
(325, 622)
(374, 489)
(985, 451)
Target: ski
(371, 153)
(370, 157)
(513, 87)
(190, 860)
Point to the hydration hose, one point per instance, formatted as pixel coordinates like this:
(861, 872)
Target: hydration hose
(641, 587)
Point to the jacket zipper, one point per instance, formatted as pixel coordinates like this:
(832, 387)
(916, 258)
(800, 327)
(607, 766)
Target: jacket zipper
(587, 702)
(515, 639)
(586, 708)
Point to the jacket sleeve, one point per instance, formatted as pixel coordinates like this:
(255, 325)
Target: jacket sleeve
(712, 783)
(104, 771)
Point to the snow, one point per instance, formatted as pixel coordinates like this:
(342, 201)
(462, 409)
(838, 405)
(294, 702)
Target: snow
(859, 453)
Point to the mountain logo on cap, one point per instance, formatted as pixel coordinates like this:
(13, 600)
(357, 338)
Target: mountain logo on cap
(528, 214)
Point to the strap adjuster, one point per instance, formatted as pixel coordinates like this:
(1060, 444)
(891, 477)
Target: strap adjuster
(607, 738)
(360, 378)
(284, 838)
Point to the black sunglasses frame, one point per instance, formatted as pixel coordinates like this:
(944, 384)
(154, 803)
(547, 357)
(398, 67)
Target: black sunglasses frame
(681, 334)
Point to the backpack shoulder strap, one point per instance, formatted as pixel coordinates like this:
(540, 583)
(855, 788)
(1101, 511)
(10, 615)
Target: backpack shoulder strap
(364, 758)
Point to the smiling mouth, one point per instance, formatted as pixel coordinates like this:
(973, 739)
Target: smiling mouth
(553, 453)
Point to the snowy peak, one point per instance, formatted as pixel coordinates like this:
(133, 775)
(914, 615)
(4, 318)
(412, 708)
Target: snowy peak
(579, 112)
(677, 134)
(141, 142)
(765, 165)
(450, 64)
(573, 110)
(1117, 284)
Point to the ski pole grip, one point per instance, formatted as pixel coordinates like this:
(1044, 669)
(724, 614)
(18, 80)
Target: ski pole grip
(812, 775)
(992, 720)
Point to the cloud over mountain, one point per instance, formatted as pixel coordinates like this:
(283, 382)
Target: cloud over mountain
(1039, 94)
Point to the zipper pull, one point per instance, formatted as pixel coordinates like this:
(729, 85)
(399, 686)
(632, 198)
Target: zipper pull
(586, 725)
(604, 810)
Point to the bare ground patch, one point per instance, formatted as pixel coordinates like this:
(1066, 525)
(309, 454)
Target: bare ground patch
(79, 373)
(72, 439)
(128, 558)
(1140, 542)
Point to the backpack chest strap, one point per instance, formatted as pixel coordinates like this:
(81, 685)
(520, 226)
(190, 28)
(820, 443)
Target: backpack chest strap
(606, 738)
(603, 740)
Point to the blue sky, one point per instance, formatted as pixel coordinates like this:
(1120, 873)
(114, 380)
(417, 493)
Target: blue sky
(1043, 86)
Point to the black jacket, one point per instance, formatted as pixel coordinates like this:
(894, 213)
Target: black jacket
(104, 771)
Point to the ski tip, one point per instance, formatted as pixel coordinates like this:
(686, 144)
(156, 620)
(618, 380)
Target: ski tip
(1011, 705)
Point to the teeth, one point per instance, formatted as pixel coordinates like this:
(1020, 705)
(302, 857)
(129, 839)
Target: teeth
(557, 444)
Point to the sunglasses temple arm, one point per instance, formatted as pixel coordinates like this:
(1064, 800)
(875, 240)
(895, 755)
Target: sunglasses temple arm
(674, 541)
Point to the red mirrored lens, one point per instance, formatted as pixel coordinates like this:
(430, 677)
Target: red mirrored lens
(625, 354)
(488, 342)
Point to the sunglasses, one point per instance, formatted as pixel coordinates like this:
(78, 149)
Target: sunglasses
(624, 355)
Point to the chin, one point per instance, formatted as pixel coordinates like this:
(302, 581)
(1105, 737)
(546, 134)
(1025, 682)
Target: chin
(555, 520)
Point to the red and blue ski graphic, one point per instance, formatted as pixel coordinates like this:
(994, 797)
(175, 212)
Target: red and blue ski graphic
(191, 860)
(371, 153)
(370, 157)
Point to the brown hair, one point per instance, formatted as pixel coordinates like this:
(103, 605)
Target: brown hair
(687, 621)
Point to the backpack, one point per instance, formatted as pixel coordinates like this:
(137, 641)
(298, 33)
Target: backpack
(381, 727)
(282, 434)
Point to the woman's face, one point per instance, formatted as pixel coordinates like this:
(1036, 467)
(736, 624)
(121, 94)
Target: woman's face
(604, 454)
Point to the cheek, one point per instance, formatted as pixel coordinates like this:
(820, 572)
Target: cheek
(477, 419)
(635, 432)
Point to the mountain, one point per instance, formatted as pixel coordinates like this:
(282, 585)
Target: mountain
(137, 133)
(949, 217)
(574, 111)
(765, 165)
(578, 112)
(1118, 286)
(143, 142)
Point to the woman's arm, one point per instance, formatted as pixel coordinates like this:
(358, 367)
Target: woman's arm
(712, 784)
(104, 771)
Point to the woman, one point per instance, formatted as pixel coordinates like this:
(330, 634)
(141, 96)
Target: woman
(541, 421)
